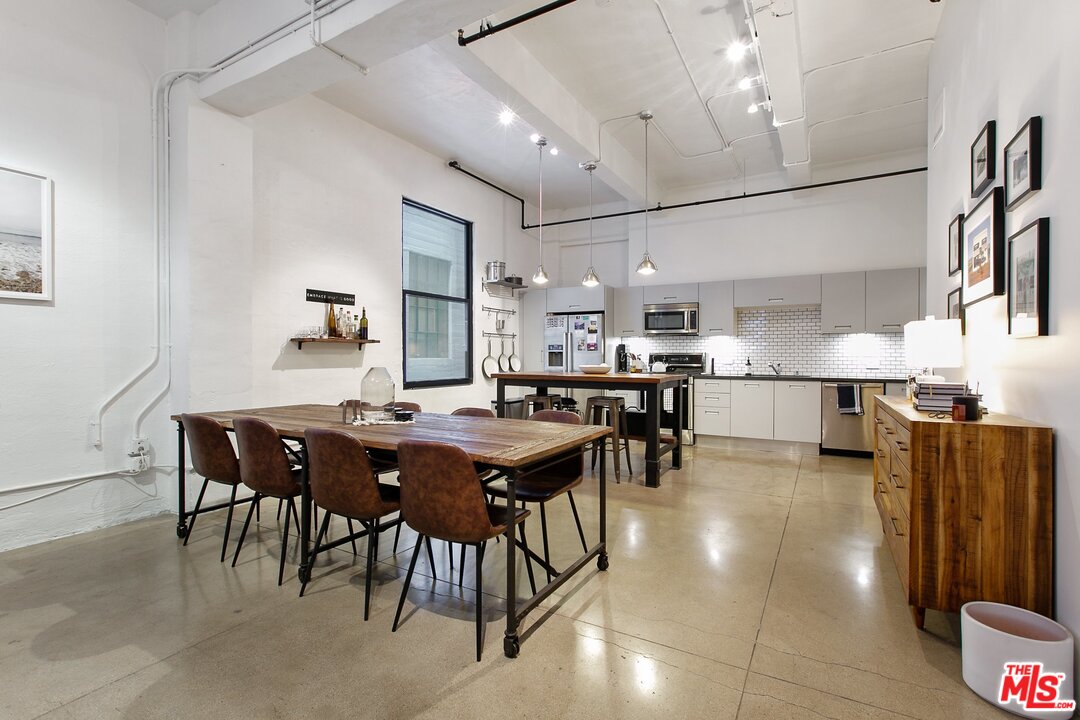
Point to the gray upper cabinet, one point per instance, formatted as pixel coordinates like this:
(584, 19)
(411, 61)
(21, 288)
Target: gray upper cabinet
(892, 299)
(665, 294)
(843, 303)
(576, 299)
(629, 317)
(777, 292)
(716, 315)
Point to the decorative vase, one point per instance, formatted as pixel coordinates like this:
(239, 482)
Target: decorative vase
(377, 395)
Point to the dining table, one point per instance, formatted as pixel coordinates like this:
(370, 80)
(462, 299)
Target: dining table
(512, 448)
(654, 385)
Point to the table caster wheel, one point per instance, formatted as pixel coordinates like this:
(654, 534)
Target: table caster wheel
(303, 573)
(511, 647)
(602, 562)
(181, 530)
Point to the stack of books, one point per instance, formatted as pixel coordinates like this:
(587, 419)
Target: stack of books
(937, 397)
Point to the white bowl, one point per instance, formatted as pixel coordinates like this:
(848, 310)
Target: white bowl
(596, 369)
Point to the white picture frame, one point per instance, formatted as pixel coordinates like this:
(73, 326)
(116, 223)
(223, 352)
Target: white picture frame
(26, 235)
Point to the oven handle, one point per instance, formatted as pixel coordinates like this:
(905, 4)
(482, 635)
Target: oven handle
(865, 385)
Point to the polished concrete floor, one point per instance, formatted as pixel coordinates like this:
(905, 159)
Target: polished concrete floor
(750, 585)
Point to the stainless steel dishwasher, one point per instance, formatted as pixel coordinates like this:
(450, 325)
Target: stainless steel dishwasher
(848, 432)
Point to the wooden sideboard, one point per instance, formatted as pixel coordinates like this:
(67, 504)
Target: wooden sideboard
(967, 507)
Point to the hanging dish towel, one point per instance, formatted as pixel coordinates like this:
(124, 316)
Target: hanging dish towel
(849, 399)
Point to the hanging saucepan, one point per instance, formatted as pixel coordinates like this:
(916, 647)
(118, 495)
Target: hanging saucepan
(514, 362)
(504, 359)
(489, 365)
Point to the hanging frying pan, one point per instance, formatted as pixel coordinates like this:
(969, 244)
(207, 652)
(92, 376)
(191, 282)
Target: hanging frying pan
(514, 361)
(489, 365)
(504, 359)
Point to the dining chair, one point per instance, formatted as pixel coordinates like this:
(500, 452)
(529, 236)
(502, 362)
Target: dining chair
(441, 498)
(549, 483)
(343, 483)
(474, 412)
(265, 468)
(213, 457)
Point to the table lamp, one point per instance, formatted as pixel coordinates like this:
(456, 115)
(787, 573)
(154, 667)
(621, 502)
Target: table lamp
(933, 343)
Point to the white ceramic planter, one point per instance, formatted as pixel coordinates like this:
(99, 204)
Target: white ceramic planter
(993, 634)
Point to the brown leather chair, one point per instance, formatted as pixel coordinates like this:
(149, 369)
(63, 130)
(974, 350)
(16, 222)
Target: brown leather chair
(551, 482)
(265, 468)
(343, 483)
(474, 412)
(213, 457)
(441, 498)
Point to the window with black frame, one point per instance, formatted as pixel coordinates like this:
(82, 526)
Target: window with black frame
(436, 297)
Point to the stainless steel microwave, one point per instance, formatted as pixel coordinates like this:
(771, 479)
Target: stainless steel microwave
(671, 319)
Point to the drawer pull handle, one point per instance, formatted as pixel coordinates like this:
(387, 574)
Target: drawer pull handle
(896, 481)
(879, 421)
(750, 385)
(901, 446)
(889, 431)
(881, 488)
(890, 325)
(797, 387)
(716, 329)
(712, 412)
(780, 299)
(842, 327)
(896, 530)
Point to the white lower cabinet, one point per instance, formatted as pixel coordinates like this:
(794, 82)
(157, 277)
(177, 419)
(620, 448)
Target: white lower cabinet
(752, 409)
(712, 421)
(712, 407)
(797, 411)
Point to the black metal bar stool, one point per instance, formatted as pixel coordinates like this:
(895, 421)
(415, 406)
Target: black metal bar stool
(615, 407)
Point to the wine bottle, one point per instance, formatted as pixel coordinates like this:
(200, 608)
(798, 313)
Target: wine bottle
(331, 322)
(363, 324)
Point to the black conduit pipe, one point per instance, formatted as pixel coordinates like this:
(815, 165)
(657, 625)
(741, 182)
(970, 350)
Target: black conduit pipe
(492, 29)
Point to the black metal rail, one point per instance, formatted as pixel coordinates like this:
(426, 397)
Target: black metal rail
(492, 29)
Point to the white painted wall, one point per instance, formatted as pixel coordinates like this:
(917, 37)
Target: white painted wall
(77, 79)
(1007, 61)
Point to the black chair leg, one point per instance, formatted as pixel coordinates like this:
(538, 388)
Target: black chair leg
(195, 513)
(370, 567)
(431, 558)
(580, 532)
(397, 534)
(408, 581)
(480, 624)
(228, 524)
(528, 559)
(291, 507)
(315, 551)
(280, 502)
(461, 569)
(257, 513)
(351, 532)
(285, 542)
(243, 531)
(543, 531)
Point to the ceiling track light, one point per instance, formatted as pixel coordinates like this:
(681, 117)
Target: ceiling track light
(540, 277)
(507, 116)
(591, 279)
(646, 266)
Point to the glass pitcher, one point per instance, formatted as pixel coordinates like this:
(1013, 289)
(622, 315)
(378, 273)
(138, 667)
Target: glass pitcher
(377, 395)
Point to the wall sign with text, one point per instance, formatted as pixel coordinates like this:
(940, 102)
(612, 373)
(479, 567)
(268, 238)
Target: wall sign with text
(328, 296)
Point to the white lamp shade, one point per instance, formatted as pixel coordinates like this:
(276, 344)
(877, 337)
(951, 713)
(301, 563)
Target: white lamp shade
(933, 344)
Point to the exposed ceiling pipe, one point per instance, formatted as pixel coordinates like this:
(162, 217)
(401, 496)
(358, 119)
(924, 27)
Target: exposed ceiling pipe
(492, 29)
(317, 42)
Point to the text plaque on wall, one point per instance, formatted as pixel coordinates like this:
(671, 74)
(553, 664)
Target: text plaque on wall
(328, 296)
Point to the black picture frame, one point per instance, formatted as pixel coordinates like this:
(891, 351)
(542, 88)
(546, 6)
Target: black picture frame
(983, 272)
(1029, 278)
(954, 308)
(1022, 163)
(983, 159)
(956, 235)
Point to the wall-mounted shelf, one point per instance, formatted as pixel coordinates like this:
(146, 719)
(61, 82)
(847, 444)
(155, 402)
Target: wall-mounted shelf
(337, 341)
(502, 289)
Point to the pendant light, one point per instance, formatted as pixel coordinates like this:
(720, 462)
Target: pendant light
(646, 266)
(591, 279)
(540, 277)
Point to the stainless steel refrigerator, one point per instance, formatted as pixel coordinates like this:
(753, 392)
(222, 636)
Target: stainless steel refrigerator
(571, 341)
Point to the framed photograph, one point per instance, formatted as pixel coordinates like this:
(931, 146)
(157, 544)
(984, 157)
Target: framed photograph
(983, 165)
(1029, 273)
(1023, 163)
(956, 232)
(26, 235)
(954, 304)
(984, 249)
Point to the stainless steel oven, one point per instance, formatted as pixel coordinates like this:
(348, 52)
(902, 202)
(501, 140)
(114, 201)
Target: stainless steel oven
(671, 319)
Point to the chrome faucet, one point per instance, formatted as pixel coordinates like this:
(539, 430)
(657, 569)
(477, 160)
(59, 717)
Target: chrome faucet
(775, 367)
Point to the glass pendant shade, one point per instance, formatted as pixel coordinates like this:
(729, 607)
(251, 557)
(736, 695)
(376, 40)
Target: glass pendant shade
(377, 395)
(646, 266)
(540, 277)
(591, 279)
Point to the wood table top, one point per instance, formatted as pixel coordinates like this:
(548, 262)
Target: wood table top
(554, 377)
(498, 442)
(903, 407)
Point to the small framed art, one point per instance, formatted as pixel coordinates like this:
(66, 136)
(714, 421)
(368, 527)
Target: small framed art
(984, 249)
(26, 235)
(1023, 163)
(983, 165)
(1029, 271)
(956, 233)
(954, 304)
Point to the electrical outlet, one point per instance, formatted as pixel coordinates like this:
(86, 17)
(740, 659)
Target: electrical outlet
(139, 446)
(138, 463)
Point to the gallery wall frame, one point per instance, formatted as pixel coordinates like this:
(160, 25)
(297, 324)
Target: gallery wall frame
(983, 273)
(1029, 278)
(983, 159)
(1022, 163)
(956, 236)
(26, 235)
(954, 304)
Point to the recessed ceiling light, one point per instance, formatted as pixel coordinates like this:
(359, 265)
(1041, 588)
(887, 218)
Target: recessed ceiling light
(554, 151)
(506, 117)
(736, 50)
(534, 138)
(752, 109)
(746, 82)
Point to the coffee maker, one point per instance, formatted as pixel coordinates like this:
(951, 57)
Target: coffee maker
(622, 360)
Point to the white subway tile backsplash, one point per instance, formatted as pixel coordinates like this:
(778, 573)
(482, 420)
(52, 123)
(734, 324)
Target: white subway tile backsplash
(792, 337)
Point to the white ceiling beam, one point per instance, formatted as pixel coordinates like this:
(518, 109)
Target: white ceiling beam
(366, 32)
(502, 66)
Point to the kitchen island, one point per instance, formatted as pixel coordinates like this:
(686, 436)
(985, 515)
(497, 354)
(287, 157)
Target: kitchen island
(652, 384)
